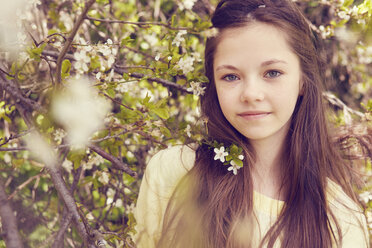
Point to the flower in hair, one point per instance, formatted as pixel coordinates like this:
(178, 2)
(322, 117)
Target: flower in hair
(231, 155)
(234, 167)
(220, 154)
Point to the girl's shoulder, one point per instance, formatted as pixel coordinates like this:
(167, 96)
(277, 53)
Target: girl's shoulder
(166, 168)
(339, 199)
(349, 215)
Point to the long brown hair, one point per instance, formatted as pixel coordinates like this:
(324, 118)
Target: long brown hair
(208, 203)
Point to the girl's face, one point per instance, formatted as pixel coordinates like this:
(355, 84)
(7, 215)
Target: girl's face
(257, 78)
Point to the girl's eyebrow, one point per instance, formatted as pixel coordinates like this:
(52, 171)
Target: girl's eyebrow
(265, 63)
(231, 67)
(273, 61)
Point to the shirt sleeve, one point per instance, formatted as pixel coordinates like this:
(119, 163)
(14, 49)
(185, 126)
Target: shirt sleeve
(162, 175)
(350, 218)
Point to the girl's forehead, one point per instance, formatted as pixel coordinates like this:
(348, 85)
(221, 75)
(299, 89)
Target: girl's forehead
(257, 37)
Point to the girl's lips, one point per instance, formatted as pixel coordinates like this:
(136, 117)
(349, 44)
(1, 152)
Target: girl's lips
(253, 115)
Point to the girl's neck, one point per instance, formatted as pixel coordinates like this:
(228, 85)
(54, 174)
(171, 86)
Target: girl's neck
(266, 173)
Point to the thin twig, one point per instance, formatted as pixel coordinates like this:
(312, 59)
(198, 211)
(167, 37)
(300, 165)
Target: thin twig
(138, 23)
(153, 79)
(116, 101)
(70, 39)
(24, 184)
(135, 67)
(114, 160)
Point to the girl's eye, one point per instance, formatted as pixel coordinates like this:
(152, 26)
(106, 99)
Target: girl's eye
(230, 77)
(273, 74)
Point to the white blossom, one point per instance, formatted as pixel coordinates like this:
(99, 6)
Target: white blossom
(66, 19)
(119, 203)
(196, 88)
(343, 15)
(130, 208)
(94, 160)
(99, 75)
(220, 154)
(151, 39)
(241, 157)
(157, 57)
(110, 196)
(125, 86)
(7, 158)
(187, 4)
(82, 60)
(366, 196)
(179, 38)
(80, 111)
(234, 167)
(211, 32)
(89, 216)
(104, 177)
(325, 31)
(67, 165)
(361, 21)
(354, 11)
(186, 64)
(59, 134)
(188, 130)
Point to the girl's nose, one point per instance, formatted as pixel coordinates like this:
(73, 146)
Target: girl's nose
(252, 91)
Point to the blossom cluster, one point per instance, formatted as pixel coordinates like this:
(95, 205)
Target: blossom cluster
(187, 4)
(106, 53)
(196, 88)
(231, 155)
(179, 38)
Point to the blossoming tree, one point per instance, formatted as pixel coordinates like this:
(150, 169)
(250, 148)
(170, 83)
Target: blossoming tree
(89, 90)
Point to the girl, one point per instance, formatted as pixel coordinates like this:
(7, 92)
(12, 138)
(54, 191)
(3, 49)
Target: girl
(267, 174)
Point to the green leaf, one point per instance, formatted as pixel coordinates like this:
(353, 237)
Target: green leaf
(234, 149)
(238, 162)
(95, 63)
(173, 21)
(66, 67)
(145, 101)
(165, 131)
(347, 3)
(161, 112)
(127, 179)
(36, 52)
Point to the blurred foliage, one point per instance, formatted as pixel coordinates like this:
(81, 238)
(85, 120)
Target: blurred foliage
(146, 58)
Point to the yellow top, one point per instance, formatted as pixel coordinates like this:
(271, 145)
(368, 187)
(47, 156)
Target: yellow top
(167, 167)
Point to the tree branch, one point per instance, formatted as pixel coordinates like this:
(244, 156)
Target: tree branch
(66, 215)
(69, 201)
(337, 102)
(9, 222)
(70, 39)
(114, 160)
(138, 23)
(17, 95)
(60, 185)
(121, 70)
(153, 79)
